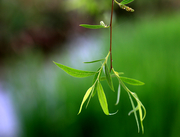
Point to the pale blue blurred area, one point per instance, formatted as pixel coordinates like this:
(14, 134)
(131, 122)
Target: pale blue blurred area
(9, 123)
(39, 99)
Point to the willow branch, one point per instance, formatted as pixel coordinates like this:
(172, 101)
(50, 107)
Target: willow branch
(110, 50)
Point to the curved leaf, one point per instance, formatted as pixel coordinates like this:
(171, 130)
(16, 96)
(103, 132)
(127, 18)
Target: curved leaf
(95, 80)
(118, 94)
(74, 72)
(85, 98)
(93, 26)
(108, 77)
(102, 98)
(126, 2)
(140, 116)
(112, 75)
(131, 81)
(94, 61)
(134, 110)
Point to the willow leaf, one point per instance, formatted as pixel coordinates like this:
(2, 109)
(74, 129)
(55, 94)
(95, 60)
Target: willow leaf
(96, 79)
(94, 61)
(140, 116)
(92, 26)
(131, 81)
(102, 98)
(85, 98)
(95, 84)
(112, 75)
(118, 94)
(108, 77)
(74, 72)
(126, 2)
(134, 110)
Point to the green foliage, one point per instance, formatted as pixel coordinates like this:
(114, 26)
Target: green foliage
(131, 81)
(102, 25)
(101, 95)
(126, 2)
(102, 98)
(97, 86)
(74, 72)
(130, 93)
(108, 77)
(85, 97)
(123, 6)
(95, 61)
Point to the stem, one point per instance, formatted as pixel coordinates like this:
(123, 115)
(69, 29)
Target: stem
(110, 50)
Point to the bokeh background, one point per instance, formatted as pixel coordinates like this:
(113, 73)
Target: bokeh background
(39, 99)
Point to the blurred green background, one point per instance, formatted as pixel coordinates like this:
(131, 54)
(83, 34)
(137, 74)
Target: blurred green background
(44, 100)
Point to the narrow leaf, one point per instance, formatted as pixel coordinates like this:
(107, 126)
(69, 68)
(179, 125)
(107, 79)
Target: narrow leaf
(126, 7)
(90, 96)
(131, 81)
(140, 109)
(85, 98)
(126, 2)
(74, 72)
(112, 75)
(108, 77)
(140, 116)
(113, 113)
(98, 74)
(95, 80)
(118, 94)
(144, 111)
(134, 110)
(95, 84)
(94, 90)
(94, 61)
(102, 98)
(92, 26)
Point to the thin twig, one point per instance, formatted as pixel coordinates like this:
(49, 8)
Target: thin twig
(110, 50)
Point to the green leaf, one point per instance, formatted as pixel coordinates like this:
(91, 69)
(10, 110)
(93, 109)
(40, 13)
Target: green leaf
(118, 94)
(102, 25)
(126, 2)
(85, 98)
(95, 84)
(140, 115)
(94, 61)
(74, 72)
(134, 110)
(102, 98)
(108, 77)
(131, 81)
(92, 26)
(94, 90)
(96, 78)
(112, 75)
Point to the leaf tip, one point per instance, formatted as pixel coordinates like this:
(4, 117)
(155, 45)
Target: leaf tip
(114, 113)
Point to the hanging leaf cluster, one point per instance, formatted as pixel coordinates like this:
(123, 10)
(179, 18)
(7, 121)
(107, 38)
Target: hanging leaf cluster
(104, 73)
(96, 88)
